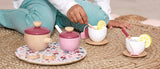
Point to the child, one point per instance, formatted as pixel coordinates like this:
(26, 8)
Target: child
(61, 12)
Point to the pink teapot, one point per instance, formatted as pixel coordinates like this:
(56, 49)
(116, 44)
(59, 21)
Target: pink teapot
(69, 40)
(37, 37)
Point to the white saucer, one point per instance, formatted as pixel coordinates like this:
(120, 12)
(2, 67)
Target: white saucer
(62, 57)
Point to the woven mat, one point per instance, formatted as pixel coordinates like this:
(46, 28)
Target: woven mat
(98, 57)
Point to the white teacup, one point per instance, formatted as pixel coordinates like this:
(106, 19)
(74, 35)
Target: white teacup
(97, 35)
(134, 46)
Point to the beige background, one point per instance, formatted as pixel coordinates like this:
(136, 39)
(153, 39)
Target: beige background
(146, 8)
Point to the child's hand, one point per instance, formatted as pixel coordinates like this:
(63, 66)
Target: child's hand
(77, 14)
(114, 23)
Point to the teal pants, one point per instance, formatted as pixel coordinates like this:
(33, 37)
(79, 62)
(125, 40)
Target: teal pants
(42, 10)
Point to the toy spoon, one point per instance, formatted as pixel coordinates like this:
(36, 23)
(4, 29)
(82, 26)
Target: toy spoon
(127, 35)
(58, 29)
(91, 26)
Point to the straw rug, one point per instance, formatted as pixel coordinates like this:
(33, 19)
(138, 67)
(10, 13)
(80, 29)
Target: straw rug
(98, 57)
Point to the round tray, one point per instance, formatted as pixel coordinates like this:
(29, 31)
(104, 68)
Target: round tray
(62, 57)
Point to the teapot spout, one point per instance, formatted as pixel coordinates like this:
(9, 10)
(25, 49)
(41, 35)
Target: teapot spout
(47, 40)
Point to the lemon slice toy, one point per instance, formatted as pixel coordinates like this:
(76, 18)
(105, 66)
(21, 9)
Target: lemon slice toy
(101, 24)
(147, 39)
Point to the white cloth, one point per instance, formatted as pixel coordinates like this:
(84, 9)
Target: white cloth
(105, 5)
(64, 5)
(17, 3)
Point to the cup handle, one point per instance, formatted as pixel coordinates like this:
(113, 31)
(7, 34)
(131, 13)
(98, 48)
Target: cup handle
(47, 40)
(84, 34)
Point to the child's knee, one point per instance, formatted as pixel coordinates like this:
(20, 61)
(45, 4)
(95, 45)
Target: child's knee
(43, 14)
(28, 19)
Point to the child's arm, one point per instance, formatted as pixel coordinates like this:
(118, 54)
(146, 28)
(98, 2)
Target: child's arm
(63, 5)
(71, 9)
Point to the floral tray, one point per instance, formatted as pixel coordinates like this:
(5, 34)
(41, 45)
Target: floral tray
(62, 57)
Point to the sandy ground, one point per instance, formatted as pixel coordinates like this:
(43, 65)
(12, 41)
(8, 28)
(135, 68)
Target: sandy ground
(146, 8)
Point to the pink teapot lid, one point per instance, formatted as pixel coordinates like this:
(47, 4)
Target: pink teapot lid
(37, 29)
(69, 33)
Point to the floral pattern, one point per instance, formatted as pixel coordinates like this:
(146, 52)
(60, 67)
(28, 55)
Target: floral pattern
(62, 57)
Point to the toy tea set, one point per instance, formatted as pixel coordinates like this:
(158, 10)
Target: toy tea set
(41, 50)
